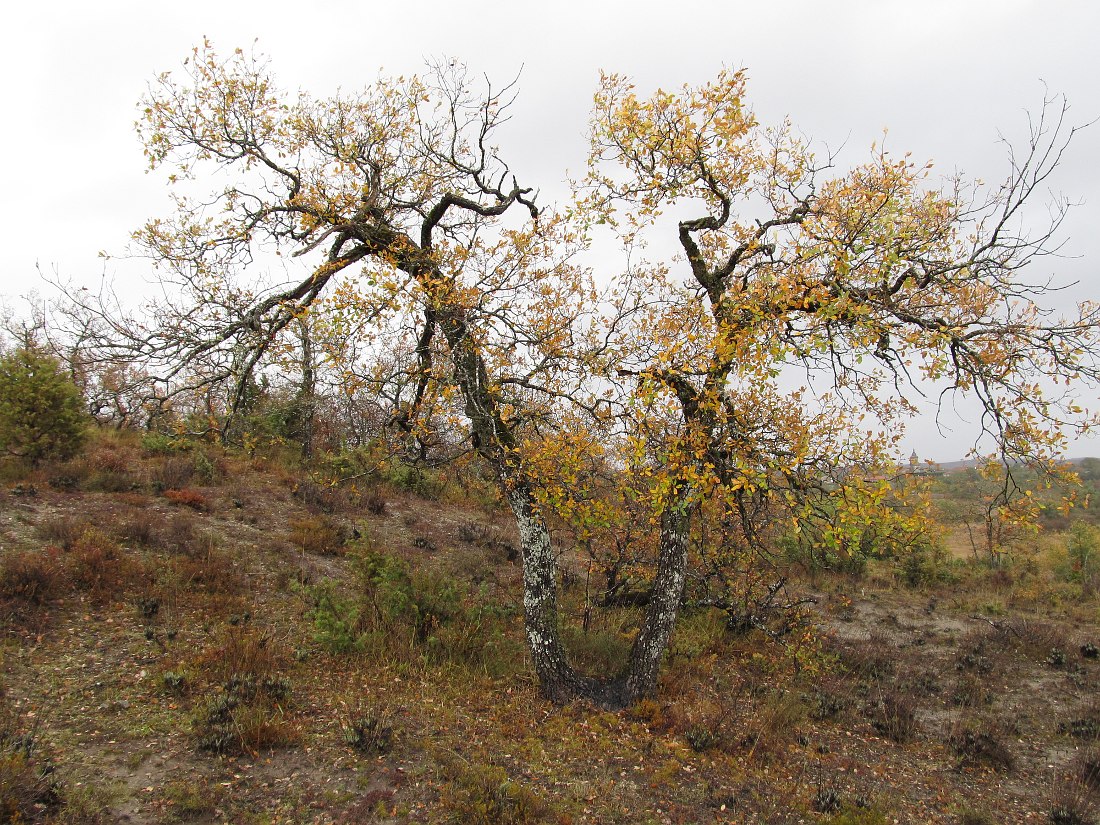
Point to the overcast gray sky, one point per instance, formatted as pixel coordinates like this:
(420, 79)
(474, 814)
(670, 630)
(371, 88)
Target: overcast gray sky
(946, 77)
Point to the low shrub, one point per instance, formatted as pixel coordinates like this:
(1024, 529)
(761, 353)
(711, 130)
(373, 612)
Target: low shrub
(138, 528)
(209, 469)
(826, 705)
(980, 745)
(375, 502)
(173, 473)
(247, 715)
(157, 443)
(419, 481)
(368, 732)
(28, 784)
(421, 617)
(111, 468)
(779, 717)
(62, 530)
(477, 794)
(1085, 724)
(827, 800)
(336, 620)
(241, 650)
(188, 498)
(894, 716)
(873, 660)
(322, 498)
(248, 709)
(319, 535)
(473, 532)
(972, 691)
(204, 566)
(32, 578)
(99, 566)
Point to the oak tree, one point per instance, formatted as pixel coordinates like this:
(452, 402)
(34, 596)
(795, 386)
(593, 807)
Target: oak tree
(874, 284)
(641, 411)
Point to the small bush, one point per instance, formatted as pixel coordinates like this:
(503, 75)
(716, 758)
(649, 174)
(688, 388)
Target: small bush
(872, 660)
(418, 481)
(174, 473)
(179, 536)
(33, 577)
(473, 532)
(155, 443)
(41, 411)
(375, 502)
(1086, 725)
(319, 535)
(484, 795)
(28, 786)
(176, 684)
(894, 716)
(188, 498)
(99, 566)
(827, 800)
(972, 691)
(702, 737)
(979, 745)
(208, 568)
(110, 468)
(138, 528)
(247, 712)
(246, 716)
(241, 651)
(825, 705)
(369, 732)
(976, 655)
(336, 620)
(779, 717)
(62, 530)
(324, 498)
(209, 470)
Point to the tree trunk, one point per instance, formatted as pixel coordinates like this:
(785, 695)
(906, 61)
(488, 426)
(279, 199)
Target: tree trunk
(306, 401)
(664, 604)
(558, 680)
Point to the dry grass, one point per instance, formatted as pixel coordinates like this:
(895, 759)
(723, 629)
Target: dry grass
(435, 716)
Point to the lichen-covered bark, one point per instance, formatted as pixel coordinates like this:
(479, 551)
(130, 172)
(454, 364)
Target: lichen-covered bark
(558, 680)
(663, 608)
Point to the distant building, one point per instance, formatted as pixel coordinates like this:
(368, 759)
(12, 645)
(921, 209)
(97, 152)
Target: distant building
(916, 468)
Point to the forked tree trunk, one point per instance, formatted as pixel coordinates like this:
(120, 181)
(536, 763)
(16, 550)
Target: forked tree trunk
(559, 681)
